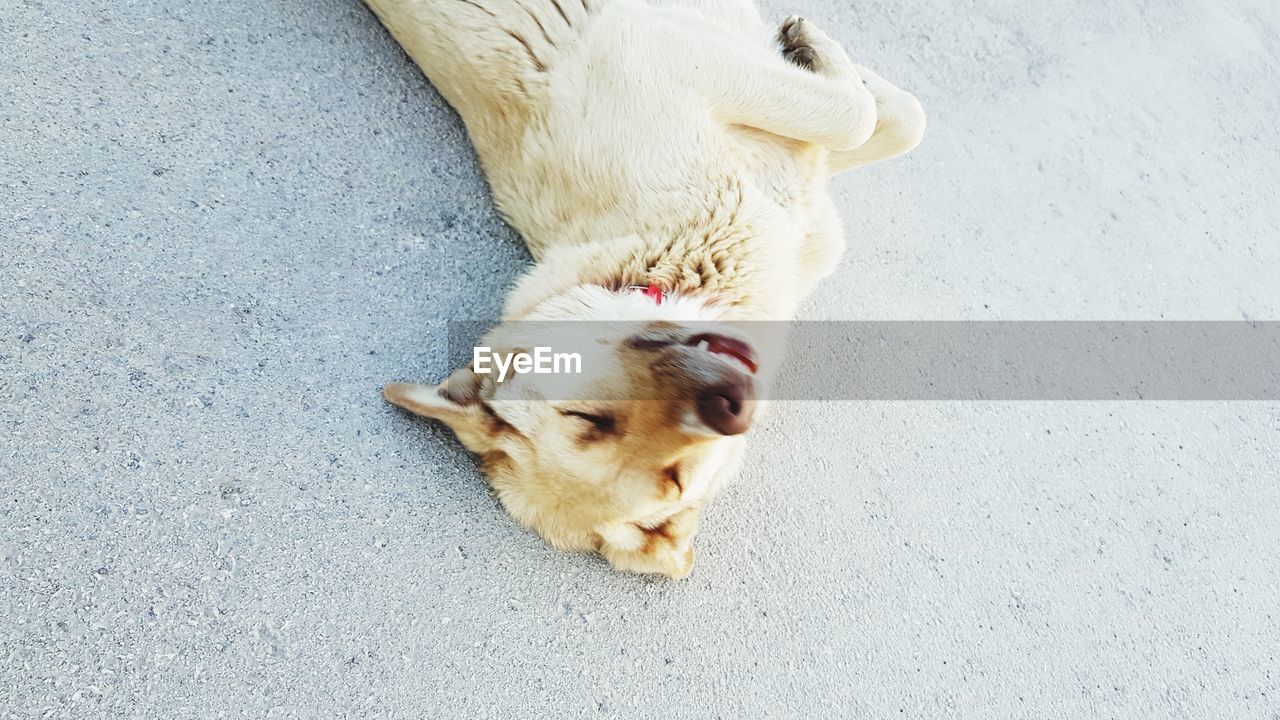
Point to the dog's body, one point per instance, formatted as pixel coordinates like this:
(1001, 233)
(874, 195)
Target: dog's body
(659, 144)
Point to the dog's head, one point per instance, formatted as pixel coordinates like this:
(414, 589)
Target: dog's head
(653, 416)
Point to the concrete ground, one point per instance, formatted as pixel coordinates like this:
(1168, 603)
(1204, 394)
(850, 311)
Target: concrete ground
(225, 225)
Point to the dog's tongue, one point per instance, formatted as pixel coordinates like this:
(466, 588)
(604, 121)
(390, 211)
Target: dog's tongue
(737, 349)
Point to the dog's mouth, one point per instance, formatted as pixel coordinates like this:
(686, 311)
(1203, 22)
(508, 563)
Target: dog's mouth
(715, 371)
(729, 350)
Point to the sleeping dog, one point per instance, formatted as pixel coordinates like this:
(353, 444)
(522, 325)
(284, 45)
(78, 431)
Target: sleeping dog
(666, 163)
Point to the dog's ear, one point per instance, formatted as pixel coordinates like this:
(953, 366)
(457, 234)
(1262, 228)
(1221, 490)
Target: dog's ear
(456, 402)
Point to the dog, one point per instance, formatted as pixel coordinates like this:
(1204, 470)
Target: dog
(665, 161)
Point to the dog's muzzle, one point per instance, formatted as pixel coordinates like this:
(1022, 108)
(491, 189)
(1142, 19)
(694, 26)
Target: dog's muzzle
(715, 370)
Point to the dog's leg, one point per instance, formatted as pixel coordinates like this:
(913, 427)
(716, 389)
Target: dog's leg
(741, 16)
(899, 126)
(823, 102)
(486, 57)
(899, 117)
(823, 246)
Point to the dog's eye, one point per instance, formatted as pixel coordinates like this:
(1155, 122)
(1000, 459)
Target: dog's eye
(672, 475)
(603, 423)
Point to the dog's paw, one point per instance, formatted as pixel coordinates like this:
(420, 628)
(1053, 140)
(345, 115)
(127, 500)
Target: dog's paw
(805, 46)
(664, 548)
(794, 39)
(898, 112)
(675, 563)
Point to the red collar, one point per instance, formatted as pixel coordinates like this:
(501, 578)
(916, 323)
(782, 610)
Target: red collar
(651, 291)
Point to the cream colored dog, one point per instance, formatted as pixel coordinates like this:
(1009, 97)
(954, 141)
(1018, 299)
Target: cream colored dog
(666, 165)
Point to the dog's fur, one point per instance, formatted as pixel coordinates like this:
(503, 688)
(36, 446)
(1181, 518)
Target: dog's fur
(637, 143)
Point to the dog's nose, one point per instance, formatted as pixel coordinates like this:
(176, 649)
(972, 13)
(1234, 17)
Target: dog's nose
(727, 407)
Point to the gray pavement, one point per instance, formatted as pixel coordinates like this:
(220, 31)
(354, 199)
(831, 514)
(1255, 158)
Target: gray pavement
(225, 225)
